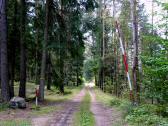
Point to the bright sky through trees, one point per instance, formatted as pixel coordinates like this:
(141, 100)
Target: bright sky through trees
(158, 11)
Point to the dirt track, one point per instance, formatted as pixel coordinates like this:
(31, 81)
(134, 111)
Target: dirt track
(101, 113)
(104, 116)
(63, 117)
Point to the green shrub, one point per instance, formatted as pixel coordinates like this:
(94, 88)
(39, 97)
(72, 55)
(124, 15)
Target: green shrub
(146, 115)
(115, 102)
(3, 106)
(162, 110)
(126, 107)
(163, 123)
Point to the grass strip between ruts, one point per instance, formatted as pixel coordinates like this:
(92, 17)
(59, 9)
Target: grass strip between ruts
(84, 117)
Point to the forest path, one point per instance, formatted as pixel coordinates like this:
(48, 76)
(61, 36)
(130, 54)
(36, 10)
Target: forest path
(64, 116)
(104, 116)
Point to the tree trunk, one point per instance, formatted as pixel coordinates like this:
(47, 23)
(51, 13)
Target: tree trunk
(22, 88)
(113, 45)
(61, 65)
(95, 77)
(0, 62)
(4, 59)
(13, 51)
(103, 45)
(49, 78)
(77, 75)
(49, 74)
(135, 43)
(37, 9)
(12, 71)
(44, 54)
(61, 84)
(151, 49)
(99, 13)
(62, 51)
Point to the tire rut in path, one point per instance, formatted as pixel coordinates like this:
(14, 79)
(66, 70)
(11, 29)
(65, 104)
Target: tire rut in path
(65, 116)
(104, 116)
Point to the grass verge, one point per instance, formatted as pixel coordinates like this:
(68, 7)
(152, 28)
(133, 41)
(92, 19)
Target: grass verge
(45, 110)
(15, 123)
(84, 117)
(54, 96)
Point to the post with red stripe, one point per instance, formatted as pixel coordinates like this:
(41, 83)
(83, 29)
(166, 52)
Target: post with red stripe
(37, 95)
(124, 59)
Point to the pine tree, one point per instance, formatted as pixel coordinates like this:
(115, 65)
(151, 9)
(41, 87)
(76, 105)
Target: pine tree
(22, 88)
(4, 59)
(44, 53)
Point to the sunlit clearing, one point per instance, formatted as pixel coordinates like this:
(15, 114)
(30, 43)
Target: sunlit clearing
(90, 84)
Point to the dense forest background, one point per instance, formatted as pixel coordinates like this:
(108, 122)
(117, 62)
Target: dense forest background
(42, 42)
(145, 44)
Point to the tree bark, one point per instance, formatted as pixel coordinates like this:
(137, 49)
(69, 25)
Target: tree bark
(0, 62)
(61, 84)
(44, 54)
(103, 45)
(13, 51)
(135, 44)
(61, 65)
(151, 49)
(49, 78)
(37, 9)
(99, 13)
(77, 78)
(49, 73)
(22, 88)
(4, 60)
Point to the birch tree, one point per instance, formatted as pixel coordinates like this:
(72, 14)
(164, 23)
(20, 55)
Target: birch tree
(134, 18)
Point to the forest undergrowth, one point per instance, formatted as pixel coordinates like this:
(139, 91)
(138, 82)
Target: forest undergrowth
(142, 115)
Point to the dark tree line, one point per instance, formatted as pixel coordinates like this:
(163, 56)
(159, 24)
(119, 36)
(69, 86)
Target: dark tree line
(41, 42)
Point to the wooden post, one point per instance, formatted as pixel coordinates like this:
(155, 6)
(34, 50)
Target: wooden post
(37, 95)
